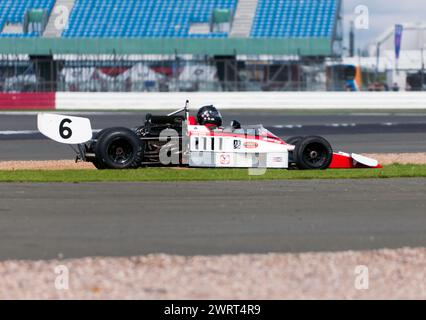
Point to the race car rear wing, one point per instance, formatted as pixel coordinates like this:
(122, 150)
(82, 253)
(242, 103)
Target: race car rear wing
(65, 129)
(184, 109)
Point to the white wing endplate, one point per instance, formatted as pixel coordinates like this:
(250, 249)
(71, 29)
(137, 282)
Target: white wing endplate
(365, 160)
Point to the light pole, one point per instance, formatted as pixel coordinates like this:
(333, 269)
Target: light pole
(423, 69)
(377, 60)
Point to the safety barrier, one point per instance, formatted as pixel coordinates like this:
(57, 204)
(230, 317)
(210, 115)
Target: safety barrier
(224, 100)
(243, 100)
(27, 101)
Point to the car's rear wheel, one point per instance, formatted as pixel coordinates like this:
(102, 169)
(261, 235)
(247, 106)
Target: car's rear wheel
(118, 148)
(98, 162)
(313, 153)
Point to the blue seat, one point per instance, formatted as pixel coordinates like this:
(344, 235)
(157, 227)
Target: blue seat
(13, 11)
(294, 18)
(142, 18)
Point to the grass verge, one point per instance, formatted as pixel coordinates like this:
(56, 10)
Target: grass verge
(171, 174)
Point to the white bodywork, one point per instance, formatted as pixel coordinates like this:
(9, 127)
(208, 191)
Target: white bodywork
(237, 149)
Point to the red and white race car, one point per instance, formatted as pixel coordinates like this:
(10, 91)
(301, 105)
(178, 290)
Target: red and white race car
(180, 139)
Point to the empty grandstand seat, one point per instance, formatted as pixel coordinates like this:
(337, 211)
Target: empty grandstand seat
(13, 12)
(142, 18)
(295, 19)
(173, 18)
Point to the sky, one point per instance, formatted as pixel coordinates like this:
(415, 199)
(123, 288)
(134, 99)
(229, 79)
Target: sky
(383, 14)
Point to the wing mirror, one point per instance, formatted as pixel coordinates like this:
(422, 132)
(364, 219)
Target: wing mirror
(235, 125)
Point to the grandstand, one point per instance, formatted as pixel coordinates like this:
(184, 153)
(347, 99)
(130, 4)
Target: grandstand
(173, 18)
(312, 20)
(228, 35)
(16, 13)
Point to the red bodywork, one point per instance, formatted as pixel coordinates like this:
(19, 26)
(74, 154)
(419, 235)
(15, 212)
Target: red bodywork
(341, 161)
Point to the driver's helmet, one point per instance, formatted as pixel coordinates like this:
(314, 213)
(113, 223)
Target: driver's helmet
(209, 116)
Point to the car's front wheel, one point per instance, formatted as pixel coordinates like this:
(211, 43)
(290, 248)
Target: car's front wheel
(118, 148)
(293, 140)
(313, 153)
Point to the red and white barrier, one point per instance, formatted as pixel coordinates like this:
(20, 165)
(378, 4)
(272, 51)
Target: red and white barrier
(27, 101)
(67, 101)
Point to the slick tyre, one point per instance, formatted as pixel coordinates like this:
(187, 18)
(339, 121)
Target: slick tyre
(293, 140)
(98, 162)
(118, 148)
(313, 153)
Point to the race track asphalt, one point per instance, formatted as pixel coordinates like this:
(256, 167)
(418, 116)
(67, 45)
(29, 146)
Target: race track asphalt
(369, 132)
(43, 221)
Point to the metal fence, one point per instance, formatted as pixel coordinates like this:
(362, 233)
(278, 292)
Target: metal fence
(164, 74)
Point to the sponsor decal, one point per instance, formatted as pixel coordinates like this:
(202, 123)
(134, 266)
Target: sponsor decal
(237, 144)
(251, 145)
(225, 159)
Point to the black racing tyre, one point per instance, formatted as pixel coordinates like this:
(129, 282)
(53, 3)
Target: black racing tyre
(293, 140)
(313, 153)
(118, 148)
(97, 162)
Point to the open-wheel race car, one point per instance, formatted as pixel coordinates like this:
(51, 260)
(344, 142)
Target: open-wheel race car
(179, 139)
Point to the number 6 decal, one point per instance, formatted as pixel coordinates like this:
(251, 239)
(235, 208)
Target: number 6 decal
(65, 132)
(65, 129)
